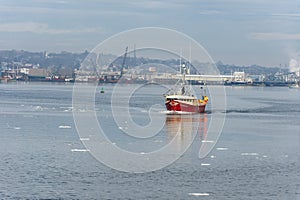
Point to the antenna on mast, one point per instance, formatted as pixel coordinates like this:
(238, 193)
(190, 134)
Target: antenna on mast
(190, 58)
(180, 61)
(134, 56)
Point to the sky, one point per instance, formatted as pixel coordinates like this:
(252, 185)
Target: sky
(241, 32)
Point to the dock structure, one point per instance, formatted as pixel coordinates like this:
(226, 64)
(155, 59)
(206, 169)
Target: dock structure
(165, 77)
(194, 77)
(209, 78)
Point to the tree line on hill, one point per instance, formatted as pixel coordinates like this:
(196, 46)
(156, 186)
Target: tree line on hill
(57, 62)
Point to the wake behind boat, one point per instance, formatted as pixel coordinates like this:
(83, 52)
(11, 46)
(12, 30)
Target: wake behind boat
(181, 99)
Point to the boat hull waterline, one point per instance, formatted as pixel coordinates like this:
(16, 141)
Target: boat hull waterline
(186, 105)
(176, 106)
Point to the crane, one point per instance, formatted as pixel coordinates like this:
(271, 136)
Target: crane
(124, 60)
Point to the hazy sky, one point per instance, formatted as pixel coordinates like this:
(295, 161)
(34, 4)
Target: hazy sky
(264, 32)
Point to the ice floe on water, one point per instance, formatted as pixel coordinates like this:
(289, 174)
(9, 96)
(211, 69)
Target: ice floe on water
(84, 139)
(64, 127)
(66, 109)
(198, 194)
(205, 164)
(38, 108)
(13, 127)
(222, 149)
(249, 154)
(207, 141)
(80, 150)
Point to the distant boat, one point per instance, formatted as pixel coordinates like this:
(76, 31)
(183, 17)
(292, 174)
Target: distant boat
(295, 86)
(102, 90)
(180, 99)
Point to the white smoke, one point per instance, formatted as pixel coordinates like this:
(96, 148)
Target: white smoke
(294, 63)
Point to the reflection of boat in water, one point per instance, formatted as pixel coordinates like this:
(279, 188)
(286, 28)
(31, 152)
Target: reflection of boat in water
(190, 131)
(181, 98)
(187, 127)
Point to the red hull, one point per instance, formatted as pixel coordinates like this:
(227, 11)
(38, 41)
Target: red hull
(184, 107)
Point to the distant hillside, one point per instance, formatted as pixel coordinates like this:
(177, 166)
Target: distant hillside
(43, 59)
(226, 69)
(55, 61)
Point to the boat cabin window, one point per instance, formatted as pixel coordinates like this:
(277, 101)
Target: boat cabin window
(171, 99)
(187, 100)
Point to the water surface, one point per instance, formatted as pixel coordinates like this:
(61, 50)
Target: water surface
(256, 157)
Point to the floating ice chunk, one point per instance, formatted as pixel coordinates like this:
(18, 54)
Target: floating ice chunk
(212, 156)
(264, 156)
(207, 141)
(142, 153)
(68, 108)
(80, 150)
(64, 127)
(199, 194)
(84, 139)
(120, 127)
(222, 148)
(39, 108)
(249, 154)
(17, 128)
(205, 164)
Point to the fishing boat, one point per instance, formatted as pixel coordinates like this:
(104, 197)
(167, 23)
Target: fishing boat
(181, 99)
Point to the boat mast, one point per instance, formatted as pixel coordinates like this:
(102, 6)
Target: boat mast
(180, 62)
(189, 67)
(183, 71)
(123, 63)
(183, 78)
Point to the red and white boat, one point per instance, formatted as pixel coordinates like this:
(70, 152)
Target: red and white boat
(181, 99)
(185, 104)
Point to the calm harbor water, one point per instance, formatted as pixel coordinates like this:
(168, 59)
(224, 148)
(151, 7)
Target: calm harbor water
(256, 157)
